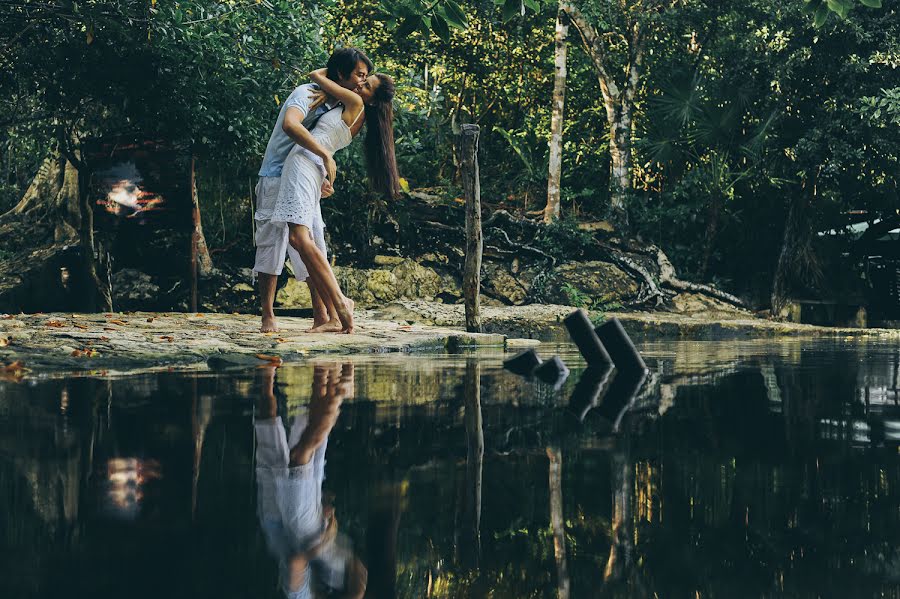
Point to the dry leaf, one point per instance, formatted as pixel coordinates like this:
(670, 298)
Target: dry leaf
(53, 323)
(199, 315)
(268, 358)
(104, 338)
(4, 341)
(81, 326)
(120, 322)
(280, 340)
(110, 329)
(168, 338)
(150, 319)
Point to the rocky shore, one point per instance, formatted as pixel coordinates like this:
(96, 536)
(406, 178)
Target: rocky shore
(33, 344)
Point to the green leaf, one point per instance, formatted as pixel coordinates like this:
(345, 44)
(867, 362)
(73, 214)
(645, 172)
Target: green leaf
(821, 15)
(837, 7)
(409, 25)
(533, 5)
(511, 9)
(455, 15)
(871, 3)
(440, 27)
(811, 6)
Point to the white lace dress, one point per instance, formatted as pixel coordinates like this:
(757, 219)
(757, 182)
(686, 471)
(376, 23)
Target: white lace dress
(300, 191)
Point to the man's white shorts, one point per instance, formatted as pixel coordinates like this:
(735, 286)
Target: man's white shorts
(272, 237)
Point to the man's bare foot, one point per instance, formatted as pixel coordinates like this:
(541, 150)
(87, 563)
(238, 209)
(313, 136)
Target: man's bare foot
(332, 326)
(269, 325)
(351, 305)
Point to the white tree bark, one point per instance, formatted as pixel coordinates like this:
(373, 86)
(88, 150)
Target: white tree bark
(551, 211)
(618, 98)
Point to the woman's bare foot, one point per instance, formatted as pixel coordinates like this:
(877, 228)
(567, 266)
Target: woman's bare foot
(345, 313)
(269, 325)
(332, 326)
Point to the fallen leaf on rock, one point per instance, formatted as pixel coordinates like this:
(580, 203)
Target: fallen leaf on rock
(120, 322)
(53, 323)
(199, 315)
(80, 326)
(4, 341)
(104, 338)
(150, 319)
(110, 329)
(280, 340)
(268, 358)
(168, 338)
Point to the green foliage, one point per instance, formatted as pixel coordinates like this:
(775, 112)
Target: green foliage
(563, 240)
(437, 17)
(882, 110)
(575, 296)
(820, 9)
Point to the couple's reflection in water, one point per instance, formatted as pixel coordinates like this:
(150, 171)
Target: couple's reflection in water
(298, 523)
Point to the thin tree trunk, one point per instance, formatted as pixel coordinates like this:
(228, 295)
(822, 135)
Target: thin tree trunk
(467, 148)
(620, 153)
(551, 211)
(797, 265)
(618, 99)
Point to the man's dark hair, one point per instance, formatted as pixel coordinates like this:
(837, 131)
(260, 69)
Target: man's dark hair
(344, 60)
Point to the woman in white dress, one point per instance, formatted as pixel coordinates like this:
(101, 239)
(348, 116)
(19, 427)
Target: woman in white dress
(299, 196)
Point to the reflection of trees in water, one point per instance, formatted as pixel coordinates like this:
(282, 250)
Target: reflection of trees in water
(735, 485)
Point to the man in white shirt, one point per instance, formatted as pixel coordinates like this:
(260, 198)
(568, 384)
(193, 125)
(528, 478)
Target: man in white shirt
(348, 67)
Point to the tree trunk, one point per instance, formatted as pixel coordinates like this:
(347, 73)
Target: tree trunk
(204, 261)
(618, 99)
(551, 211)
(797, 264)
(620, 153)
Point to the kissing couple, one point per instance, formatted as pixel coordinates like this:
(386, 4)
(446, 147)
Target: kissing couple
(298, 170)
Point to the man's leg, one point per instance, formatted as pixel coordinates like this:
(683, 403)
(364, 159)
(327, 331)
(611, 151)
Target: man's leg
(271, 247)
(271, 240)
(321, 274)
(267, 285)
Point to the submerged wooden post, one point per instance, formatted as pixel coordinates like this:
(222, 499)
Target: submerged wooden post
(467, 150)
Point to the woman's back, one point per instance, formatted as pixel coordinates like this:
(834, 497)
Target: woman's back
(332, 132)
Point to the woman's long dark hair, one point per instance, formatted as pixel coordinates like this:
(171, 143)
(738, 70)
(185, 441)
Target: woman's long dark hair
(381, 162)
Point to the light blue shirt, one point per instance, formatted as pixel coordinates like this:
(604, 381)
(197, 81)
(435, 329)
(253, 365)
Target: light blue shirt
(280, 144)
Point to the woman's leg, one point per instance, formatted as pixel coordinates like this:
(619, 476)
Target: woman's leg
(321, 274)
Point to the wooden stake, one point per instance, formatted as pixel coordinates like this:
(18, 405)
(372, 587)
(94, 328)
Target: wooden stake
(467, 150)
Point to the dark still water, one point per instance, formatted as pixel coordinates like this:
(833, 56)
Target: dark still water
(738, 469)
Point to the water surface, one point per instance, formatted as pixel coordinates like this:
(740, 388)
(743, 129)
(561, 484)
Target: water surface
(739, 469)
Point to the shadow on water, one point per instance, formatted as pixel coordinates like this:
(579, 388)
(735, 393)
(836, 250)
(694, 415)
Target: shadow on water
(735, 469)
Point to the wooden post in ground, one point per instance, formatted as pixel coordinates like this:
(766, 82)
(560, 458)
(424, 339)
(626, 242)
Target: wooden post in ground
(467, 150)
